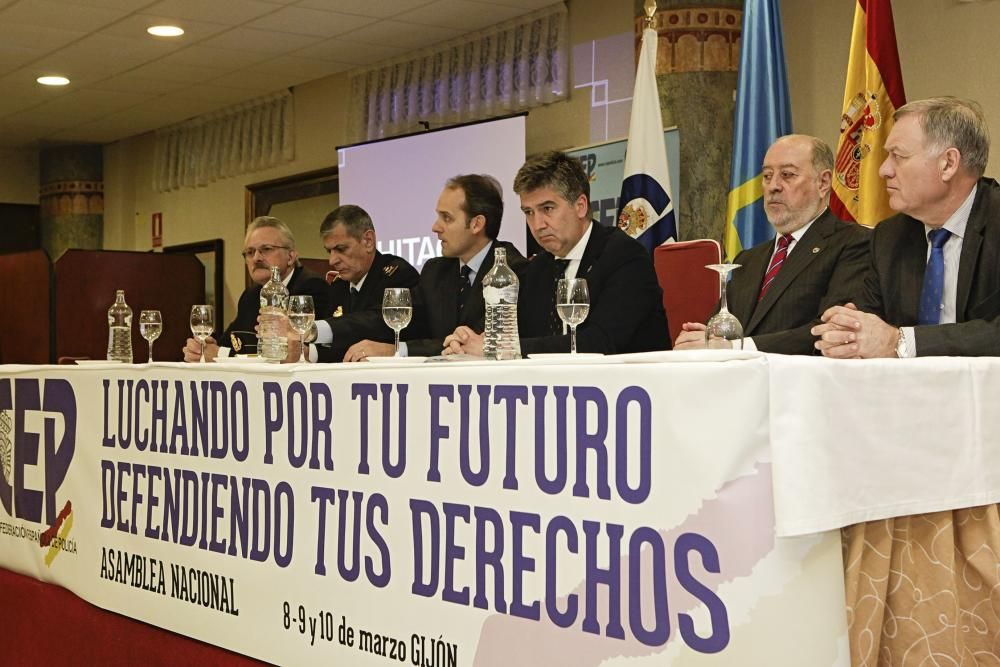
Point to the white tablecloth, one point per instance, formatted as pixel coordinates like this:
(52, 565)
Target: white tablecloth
(855, 441)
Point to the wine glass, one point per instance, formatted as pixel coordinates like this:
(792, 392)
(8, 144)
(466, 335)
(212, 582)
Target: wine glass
(202, 323)
(150, 327)
(572, 305)
(301, 313)
(724, 331)
(397, 310)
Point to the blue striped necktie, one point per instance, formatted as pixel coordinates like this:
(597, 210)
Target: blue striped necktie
(933, 289)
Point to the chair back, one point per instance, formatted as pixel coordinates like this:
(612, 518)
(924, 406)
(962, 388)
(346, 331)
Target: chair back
(690, 291)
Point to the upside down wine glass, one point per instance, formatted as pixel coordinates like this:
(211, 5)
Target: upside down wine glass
(724, 331)
(397, 309)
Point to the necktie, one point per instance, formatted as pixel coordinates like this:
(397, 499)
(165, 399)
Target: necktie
(353, 299)
(930, 295)
(558, 272)
(463, 286)
(776, 262)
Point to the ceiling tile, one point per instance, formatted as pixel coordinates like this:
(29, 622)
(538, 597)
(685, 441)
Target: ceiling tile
(12, 57)
(460, 15)
(211, 92)
(38, 38)
(525, 5)
(216, 11)
(338, 50)
(136, 24)
(310, 22)
(101, 55)
(382, 9)
(129, 82)
(48, 14)
(254, 81)
(260, 41)
(123, 5)
(301, 70)
(175, 72)
(225, 59)
(406, 36)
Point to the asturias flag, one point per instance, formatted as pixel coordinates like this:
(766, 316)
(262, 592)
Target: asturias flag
(646, 204)
(873, 91)
(763, 113)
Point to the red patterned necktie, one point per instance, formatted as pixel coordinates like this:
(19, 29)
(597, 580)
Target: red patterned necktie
(775, 265)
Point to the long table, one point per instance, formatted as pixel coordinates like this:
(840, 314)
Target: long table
(673, 506)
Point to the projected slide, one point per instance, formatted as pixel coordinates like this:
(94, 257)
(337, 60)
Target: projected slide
(398, 181)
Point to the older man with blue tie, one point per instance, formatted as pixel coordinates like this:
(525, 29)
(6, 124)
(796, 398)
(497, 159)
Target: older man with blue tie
(933, 285)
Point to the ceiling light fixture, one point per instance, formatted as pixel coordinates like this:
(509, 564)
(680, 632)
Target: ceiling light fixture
(165, 30)
(52, 80)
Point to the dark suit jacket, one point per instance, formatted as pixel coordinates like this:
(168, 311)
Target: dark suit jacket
(362, 320)
(825, 268)
(896, 273)
(435, 302)
(241, 334)
(626, 304)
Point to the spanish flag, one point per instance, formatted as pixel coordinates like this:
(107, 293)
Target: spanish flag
(873, 92)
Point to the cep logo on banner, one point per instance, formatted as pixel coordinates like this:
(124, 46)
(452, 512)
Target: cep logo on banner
(37, 442)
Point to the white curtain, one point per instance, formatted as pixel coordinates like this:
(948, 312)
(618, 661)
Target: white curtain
(510, 67)
(246, 137)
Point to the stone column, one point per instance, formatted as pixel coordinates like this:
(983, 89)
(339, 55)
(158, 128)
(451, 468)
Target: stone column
(71, 198)
(697, 56)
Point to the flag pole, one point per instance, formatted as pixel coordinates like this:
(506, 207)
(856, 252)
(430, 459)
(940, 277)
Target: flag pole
(650, 8)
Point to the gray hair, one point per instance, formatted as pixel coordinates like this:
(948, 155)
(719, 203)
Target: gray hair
(274, 223)
(355, 220)
(951, 122)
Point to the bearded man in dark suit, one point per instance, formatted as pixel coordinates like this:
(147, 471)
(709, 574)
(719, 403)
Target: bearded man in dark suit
(450, 291)
(933, 283)
(815, 261)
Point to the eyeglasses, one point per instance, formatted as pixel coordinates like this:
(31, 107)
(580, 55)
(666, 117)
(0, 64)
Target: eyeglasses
(263, 250)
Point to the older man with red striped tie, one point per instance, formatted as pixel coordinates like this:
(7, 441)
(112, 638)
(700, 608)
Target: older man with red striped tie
(814, 262)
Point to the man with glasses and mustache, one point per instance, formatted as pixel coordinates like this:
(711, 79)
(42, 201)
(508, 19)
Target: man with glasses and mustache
(269, 242)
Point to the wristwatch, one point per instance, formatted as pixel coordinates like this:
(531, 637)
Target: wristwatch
(311, 334)
(901, 344)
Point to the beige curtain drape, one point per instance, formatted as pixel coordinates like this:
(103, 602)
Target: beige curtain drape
(510, 67)
(240, 139)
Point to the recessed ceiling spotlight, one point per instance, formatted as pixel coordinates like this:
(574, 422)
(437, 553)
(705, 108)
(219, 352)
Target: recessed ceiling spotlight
(52, 80)
(165, 30)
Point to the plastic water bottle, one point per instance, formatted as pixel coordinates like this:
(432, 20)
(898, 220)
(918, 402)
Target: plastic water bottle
(273, 304)
(120, 330)
(500, 286)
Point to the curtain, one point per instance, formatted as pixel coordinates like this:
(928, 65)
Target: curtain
(243, 138)
(510, 67)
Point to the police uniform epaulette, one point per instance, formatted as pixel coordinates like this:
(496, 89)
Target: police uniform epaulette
(389, 269)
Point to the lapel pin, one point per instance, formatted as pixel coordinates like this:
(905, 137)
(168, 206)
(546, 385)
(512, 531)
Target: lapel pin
(815, 250)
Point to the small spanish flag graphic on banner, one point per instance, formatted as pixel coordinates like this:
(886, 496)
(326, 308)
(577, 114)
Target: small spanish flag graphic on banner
(872, 93)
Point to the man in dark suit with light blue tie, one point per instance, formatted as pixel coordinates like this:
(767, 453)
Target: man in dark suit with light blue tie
(933, 284)
(815, 260)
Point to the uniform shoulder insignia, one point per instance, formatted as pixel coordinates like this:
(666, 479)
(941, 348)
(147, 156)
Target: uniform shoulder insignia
(339, 312)
(390, 269)
(237, 343)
